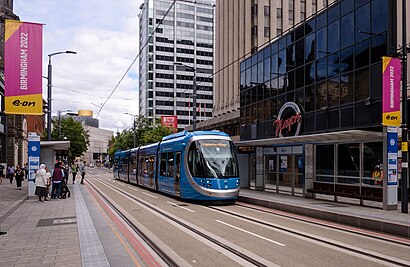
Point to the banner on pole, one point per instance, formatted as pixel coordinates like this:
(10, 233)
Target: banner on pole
(391, 91)
(23, 67)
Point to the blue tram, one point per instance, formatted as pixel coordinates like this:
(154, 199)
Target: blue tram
(191, 165)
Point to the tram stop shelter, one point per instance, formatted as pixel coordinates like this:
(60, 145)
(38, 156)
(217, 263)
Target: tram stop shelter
(292, 165)
(50, 150)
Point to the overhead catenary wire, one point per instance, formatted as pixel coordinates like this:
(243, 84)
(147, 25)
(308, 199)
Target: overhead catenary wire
(198, 82)
(137, 56)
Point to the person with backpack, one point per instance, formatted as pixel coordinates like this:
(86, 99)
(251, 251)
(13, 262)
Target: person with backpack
(57, 177)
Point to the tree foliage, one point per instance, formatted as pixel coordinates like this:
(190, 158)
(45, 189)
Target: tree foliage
(70, 130)
(145, 133)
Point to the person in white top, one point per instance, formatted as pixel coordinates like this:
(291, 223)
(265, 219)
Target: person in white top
(41, 183)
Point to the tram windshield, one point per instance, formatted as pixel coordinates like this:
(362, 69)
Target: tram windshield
(212, 159)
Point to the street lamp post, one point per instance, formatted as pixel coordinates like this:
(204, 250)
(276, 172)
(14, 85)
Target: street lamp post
(405, 171)
(135, 141)
(193, 93)
(59, 122)
(49, 85)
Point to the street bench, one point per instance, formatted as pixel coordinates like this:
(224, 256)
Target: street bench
(350, 191)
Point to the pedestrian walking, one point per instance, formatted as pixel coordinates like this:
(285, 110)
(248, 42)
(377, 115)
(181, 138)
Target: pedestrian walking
(66, 170)
(74, 171)
(41, 183)
(82, 170)
(10, 173)
(19, 174)
(1, 174)
(57, 176)
(25, 171)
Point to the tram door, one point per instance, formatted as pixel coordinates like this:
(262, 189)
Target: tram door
(252, 171)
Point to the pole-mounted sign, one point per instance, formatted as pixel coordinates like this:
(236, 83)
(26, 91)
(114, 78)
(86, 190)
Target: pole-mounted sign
(391, 91)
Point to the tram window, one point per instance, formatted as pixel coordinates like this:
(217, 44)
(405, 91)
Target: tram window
(194, 162)
(141, 168)
(135, 165)
(170, 165)
(151, 166)
(163, 165)
(177, 165)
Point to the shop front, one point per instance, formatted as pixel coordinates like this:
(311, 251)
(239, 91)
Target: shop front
(329, 162)
(311, 104)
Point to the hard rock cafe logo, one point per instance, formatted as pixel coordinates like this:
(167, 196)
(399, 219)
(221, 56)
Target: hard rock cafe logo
(289, 120)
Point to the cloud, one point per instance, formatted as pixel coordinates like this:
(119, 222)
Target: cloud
(104, 33)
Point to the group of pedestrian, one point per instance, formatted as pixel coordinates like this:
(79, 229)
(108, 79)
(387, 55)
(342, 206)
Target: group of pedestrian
(57, 180)
(14, 172)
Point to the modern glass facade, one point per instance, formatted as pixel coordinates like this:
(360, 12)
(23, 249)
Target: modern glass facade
(330, 66)
(311, 103)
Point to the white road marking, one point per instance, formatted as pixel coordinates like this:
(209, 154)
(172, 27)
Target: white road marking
(132, 188)
(176, 205)
(149, 195)
(243, 230)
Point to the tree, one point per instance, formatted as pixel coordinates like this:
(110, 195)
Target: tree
(156, 133)
(74, 132)
(145, 133)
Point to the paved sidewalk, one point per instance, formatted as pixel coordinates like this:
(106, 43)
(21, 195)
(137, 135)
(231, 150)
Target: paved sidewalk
(61, 232)
(346, 211)
(37, 233)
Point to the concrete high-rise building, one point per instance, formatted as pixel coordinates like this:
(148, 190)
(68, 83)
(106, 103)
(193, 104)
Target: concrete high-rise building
(242, 28)
(183, 34)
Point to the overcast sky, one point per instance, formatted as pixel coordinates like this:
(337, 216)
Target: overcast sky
(104, 33)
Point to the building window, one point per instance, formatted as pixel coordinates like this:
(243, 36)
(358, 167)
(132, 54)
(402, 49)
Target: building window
(325, 163)
(279, 12)
(254, 30)
(266, 10)
(255, 9)
(267, 31)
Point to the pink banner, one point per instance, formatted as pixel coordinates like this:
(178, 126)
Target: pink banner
(391, 91)
(23, 67)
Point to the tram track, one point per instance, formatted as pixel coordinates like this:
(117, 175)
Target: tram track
(251, 260)
(348, 229)
(351, 249)
(333, 243)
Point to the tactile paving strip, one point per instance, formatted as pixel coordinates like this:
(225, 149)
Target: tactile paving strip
(92, 251)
